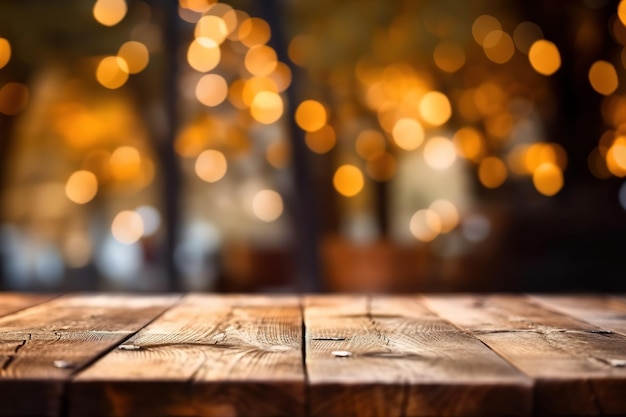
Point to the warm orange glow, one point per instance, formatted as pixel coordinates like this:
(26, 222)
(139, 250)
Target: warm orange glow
(127, 227)
(5, 52)
(498, 46)
(260, 60)
(281, 76)
(621, 11)
(544, 57)
(266, 107)
(435, 108)
(370, 144)
(125, 163)
(277, 154)
(109, 12)
(469, 143)
(449, 56)
(299, 49)
(136, 56)
(198, 6)
(348, 180)
(267, 205)
(425, 225)
(112, 72)
(548, 179)
(616, 157)
(603, 77)
(492, 172)
(321, 140)
(311, 115)
(408, 134)
(211, 90)
(483, 26)
(14, 98)
(499, 125)
(439, 153)
(235, 94)
(211, 165)
(448, 214)
(211, 28)
(254, 31)
(254, 86)
(203, 55)
(382, 167)
(597, 165)
(81, 187)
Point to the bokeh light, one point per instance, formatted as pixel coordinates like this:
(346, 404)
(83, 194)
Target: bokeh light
(5, 52)
(603, 77)
(203, 54)
(408, 134)
(483, 26)
(449, 56)
(125, 163)
(109, 12)
(127, 227)
(211, 90)
(435, 108)
(544, 57)
(211, 165)
(260, 60)
(548, 179)
(439, 153)
(112, 72)
(447, 212)
(492, 172)
(311, 115)
(322, 140)
(348, 180)
(266, 107)
(136, 56)
(425, 225)
(267, 205)
(81, 187)
(211, 28)
(498, 46)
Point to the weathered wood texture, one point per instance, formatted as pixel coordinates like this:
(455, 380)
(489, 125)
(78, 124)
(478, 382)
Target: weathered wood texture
(40, 347)
(208, 356)
(13, 302)
(578, 367)
(384, 356)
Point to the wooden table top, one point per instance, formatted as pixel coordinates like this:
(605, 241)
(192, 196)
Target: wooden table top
(318, 355)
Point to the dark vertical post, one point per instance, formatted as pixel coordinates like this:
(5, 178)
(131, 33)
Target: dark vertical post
(171, 170)
(303, 201)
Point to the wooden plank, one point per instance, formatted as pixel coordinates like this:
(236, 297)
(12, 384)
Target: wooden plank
(13, 302)
(42, 346)
(603, 311)
(389, 356)
(210, 355)
(578, 367)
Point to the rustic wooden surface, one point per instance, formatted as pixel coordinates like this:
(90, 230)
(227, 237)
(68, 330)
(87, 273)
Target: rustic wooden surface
(317, 355)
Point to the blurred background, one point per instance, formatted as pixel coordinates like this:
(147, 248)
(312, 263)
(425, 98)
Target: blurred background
(330, 145)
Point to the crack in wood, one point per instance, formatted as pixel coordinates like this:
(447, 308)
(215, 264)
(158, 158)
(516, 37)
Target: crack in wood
(12, 356)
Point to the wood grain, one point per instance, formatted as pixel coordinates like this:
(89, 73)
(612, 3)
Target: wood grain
(403, 361)
(578, 367)
(603, 311)
(41, 347)
(14, 302)
(208, 356)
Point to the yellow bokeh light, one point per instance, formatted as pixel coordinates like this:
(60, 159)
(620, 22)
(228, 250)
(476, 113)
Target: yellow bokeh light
(469, 142)
(254, 86)
(548, 179)
(254, 31)
(621, 12)
(382, 167)
(425, 225)
(348, 180)
(136, 56)
(267, 107)
(203, 55)
(449, 56)
(235, 94)
(112, 72)
(311, 115)
(109, 12)
(277, 154)
(544, 57)
(198, 6)
(281, 76)
(300, 48)
(435, 108)
(14, 97)
(321, 140)
(81, 187)
(211, 90)
(525, 34)
(125, 163)
(127, 227)
(482, 26)
(408, 134)
(603, 77)
(211, 165)
(369, 144)
(492, 172)
(267, 205)
(616, 157)
(260, 60)
(448, 214)
(5, 52)
(498, 46)
(211, 27)
(439, 153)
